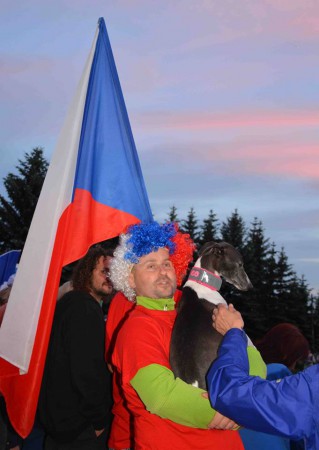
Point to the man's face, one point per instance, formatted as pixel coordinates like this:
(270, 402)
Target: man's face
(154, 276)
(100, 284)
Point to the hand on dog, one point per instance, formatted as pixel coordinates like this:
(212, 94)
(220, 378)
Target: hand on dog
(226, 318)
(221, 422)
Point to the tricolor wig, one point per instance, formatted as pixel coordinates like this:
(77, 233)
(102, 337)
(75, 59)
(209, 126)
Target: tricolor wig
(142, 239)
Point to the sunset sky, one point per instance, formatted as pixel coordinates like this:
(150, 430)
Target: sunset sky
(223, 99)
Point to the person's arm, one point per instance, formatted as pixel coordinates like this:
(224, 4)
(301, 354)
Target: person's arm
(172, 398)
(140, 356)
(225, 318)
(283, 407)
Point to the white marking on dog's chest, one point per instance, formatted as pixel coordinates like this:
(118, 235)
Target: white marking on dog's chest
(211, 296)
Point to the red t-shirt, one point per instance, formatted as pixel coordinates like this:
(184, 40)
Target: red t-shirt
(121, 435)
(144, 339)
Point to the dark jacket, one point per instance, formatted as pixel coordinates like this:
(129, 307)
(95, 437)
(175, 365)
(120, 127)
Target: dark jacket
(75, 392)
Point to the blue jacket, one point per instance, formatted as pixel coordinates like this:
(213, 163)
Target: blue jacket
(287, 407)
(264, 441)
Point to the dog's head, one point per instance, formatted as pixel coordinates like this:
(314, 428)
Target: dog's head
(226, 260)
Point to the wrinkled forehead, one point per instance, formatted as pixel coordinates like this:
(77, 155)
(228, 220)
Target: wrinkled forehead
(159, 256)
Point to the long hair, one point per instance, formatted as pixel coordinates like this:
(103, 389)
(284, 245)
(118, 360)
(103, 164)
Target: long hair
(82, 274)
(285, 344)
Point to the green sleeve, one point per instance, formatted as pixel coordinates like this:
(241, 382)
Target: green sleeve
(257, 367)
(171, 398)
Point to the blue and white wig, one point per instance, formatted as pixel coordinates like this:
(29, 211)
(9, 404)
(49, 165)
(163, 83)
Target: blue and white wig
(142, 239)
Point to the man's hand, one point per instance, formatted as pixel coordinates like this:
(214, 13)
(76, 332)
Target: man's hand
(221, 422)
(226, 318)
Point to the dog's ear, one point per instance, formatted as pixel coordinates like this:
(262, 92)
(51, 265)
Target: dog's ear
(218, 250)
(206, 248)
(211, 255)
(212, 248)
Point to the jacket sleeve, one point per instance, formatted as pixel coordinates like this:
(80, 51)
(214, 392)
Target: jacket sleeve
(283, 407)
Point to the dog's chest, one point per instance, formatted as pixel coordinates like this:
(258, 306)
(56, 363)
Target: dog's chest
(203, 293)
(194, 312)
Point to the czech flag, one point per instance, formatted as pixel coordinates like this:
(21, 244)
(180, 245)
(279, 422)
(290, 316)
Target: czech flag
(93, 190)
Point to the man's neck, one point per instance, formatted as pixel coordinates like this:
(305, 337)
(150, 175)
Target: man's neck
(160, 304)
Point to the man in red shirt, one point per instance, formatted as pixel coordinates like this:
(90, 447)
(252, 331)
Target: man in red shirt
(167, 413)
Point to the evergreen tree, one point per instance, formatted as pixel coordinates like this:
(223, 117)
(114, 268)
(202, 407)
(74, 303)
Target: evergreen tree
(172, 215)
(23, 191)
(233, 231)
(284, 277)
(285, 274)
(209, 229)
(278, 294)
(314, 323)
(271, 281)
(190, 225)
(255, 253)
(298, 308)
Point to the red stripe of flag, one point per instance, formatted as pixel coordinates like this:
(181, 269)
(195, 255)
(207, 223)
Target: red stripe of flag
(93, 190)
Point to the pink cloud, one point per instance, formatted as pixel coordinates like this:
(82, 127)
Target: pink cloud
(287, 159)
(201, 121)
(255, 156)
(259, 156)
(284, 159)
(307, 26)
(274, 143)
(11, 66)
(212, 23)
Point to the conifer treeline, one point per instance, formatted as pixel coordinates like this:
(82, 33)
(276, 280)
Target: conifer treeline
(279, 294)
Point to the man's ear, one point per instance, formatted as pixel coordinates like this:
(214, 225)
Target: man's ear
(131, 281)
